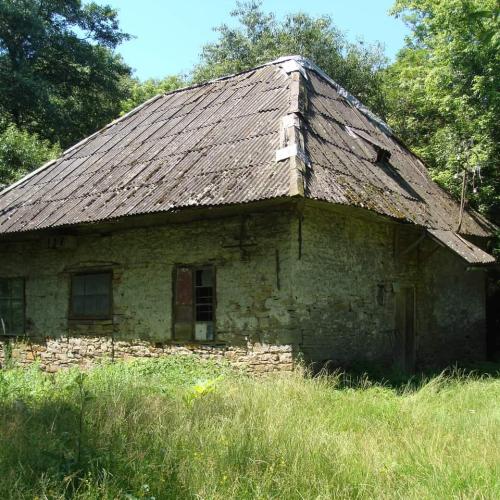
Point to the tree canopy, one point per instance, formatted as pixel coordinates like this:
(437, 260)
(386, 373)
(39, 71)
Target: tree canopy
(443, 94)
(260, 37)
(140, 92)
(22, 152)
(59, 77)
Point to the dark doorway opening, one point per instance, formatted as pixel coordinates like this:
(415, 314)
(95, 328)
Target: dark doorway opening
(404, 356)
(493, 315)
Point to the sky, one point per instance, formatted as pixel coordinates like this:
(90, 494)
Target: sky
(170, 34)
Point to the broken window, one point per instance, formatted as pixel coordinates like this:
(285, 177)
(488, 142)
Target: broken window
(91, 296)
(194, 303)
(12, 306)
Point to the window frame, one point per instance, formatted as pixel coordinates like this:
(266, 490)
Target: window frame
(23, 330)
(193, 268)
(72, 316)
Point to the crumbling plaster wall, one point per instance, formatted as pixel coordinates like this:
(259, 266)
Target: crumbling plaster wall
(343, 262)
(250, 253)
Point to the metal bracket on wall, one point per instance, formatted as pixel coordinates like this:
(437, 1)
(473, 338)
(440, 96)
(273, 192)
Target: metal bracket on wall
(243, 241)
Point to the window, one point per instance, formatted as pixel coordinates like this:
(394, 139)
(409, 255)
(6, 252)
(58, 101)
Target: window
(11, 306)
(194, 303)
(91, 296)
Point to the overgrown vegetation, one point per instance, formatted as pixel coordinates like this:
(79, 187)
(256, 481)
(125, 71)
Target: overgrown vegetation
(443, 97)
(140, 92)
(22, 152)
(182, 428)
(59, 76)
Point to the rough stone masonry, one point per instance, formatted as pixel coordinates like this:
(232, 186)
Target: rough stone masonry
(297, 282)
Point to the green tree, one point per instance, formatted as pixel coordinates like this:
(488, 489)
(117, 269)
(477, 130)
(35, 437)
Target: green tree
(443, 95)
(140, 92)
(22, 152)
(59, 77)
(261, 37)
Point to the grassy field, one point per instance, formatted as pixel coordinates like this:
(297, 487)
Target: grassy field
(180, 428)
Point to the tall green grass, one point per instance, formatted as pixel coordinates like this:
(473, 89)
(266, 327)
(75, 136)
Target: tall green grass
(183, 428)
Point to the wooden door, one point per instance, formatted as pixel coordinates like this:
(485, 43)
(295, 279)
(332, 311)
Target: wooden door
(404, 355)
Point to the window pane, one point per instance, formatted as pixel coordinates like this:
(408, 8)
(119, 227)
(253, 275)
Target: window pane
(204, 277)
(204, 295)
(4, 306)
(12, 306)
(204, 317)
(204, 312)
(96, 284)
(17, 288)
(204, 308)
(4, 316)
(4, 288)
(97, 305)
(91, 295)
(204, 331)
(78, 285)
(12, 288)
(79, 305)
(91, 305)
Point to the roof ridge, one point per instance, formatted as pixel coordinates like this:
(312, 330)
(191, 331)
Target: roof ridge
(292, 143)
(301, 64)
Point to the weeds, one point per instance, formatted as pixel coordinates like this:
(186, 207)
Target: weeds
(183, 428)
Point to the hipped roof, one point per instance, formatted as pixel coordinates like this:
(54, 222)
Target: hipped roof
(284, 129)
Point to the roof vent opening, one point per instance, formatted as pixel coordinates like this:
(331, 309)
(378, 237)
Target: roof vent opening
(382, 154)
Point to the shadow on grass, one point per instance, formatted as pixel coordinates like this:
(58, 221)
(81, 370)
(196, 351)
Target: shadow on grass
(41, 440)
(362, 375)
(61, 449)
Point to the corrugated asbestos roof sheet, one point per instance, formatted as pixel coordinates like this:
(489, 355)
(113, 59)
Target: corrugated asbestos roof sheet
(207, 145)
(216, 144)
(343, 144)
(462, 247)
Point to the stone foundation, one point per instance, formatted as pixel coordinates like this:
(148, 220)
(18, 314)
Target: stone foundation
(66, 352)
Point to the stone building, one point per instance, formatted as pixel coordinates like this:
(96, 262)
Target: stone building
(263, 218)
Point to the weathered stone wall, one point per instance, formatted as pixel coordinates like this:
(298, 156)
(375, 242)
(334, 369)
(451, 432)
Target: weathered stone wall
(322, 284)
(67, 352)
(343, 262)
(452, 302)
(250, 255)
(346, 285)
